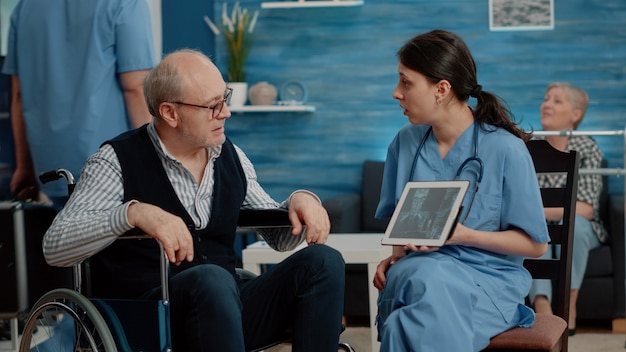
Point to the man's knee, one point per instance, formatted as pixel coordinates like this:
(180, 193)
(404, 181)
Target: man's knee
(325, 258)
(206, 280)
(327, 267)
(204, 298)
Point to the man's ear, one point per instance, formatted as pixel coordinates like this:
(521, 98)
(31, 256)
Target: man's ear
(169, 114)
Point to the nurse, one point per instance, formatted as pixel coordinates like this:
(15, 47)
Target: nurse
(456, 297)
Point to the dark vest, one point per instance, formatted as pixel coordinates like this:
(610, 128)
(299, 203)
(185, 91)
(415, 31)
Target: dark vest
(129, 268)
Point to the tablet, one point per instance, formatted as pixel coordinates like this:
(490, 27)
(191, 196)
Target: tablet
(426, 214)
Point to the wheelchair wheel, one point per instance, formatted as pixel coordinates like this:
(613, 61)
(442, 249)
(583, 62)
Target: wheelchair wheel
(64, 320)
(344, 346)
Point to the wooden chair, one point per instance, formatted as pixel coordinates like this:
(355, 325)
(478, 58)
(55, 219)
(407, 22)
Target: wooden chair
(550, 333)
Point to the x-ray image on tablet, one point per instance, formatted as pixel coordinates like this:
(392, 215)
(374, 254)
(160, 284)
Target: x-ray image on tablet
(426, 213)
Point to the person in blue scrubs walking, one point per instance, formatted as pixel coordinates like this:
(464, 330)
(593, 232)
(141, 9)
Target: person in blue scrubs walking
(77, 69)
(456, 297)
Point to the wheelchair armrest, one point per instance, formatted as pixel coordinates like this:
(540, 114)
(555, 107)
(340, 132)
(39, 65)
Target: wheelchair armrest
(244, 274)
(82, 271)
(257, 218)
(164, 265)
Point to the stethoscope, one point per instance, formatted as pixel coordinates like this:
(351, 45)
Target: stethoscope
(463, 164)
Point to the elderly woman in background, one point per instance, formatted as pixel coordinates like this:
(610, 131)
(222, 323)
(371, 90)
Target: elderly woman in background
(563, 108)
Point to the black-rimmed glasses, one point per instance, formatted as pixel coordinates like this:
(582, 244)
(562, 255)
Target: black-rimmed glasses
(217, 108)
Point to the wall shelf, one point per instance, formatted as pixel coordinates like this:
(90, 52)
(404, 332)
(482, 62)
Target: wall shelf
(272, 108)
(310, 3)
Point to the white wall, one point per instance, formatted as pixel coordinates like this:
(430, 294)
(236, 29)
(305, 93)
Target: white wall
(6, 8)
(155, 13)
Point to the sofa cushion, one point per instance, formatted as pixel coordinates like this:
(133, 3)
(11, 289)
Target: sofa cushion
(597, 301)
(370, 196)
(600, 262)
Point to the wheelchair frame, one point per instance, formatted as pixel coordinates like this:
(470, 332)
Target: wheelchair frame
(90, 316)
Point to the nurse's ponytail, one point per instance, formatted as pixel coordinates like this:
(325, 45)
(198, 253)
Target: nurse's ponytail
(492, 110)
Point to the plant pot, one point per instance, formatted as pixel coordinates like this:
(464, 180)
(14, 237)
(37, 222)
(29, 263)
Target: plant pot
(240, 93)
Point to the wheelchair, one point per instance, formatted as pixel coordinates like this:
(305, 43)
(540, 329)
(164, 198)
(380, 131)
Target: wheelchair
(66, 320)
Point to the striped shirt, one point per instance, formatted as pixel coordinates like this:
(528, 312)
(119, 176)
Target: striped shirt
(589, 185)
(95, 214)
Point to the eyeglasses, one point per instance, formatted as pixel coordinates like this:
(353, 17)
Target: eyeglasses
(217, 108)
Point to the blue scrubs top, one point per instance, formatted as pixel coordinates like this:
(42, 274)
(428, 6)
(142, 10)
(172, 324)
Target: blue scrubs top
(508, 197)
(67, 55)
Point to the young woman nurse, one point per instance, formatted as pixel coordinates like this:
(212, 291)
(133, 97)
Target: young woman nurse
(456, 297)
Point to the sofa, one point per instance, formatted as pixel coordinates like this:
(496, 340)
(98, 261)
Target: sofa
(602, 295)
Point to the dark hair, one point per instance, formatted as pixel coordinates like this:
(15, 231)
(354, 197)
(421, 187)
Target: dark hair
(440, 55)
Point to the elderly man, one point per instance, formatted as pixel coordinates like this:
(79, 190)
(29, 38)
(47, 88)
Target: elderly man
(181, 181)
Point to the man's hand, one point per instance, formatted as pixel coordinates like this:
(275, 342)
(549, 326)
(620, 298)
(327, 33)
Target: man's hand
(305, 209)
(166, 228)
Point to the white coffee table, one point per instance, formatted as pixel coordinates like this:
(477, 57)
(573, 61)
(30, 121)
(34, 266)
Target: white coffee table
(356, 248)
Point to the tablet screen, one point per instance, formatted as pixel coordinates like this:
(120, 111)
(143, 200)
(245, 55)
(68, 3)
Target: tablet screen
(426, 213)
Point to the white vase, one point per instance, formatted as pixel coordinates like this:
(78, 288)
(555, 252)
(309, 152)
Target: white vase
(240, 93)
(262, 93)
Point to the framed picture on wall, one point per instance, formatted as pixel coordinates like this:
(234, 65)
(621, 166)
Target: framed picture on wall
(515, 15)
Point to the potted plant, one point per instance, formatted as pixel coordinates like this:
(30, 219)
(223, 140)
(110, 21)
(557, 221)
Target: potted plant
(238, 30)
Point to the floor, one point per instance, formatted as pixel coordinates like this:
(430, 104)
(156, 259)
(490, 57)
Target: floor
(589, 338)
(596, 337)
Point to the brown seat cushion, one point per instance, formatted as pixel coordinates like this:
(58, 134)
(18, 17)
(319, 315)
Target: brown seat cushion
(544, 335)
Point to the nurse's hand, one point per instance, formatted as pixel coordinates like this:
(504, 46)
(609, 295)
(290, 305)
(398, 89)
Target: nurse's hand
(380, 278)
(422, 249)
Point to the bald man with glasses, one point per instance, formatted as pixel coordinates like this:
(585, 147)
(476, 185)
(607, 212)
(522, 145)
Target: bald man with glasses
(180, 180)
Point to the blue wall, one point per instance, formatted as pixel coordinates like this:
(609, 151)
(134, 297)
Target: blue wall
(183, 25)
(346, 58)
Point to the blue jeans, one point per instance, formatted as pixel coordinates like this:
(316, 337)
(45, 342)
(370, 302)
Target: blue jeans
(304, 294)
(585, 240)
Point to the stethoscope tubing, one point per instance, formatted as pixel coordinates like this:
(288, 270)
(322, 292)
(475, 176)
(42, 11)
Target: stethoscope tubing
(475, 158)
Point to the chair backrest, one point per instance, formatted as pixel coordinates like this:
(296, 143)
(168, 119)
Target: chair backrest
(549, 160)
(603, 209)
